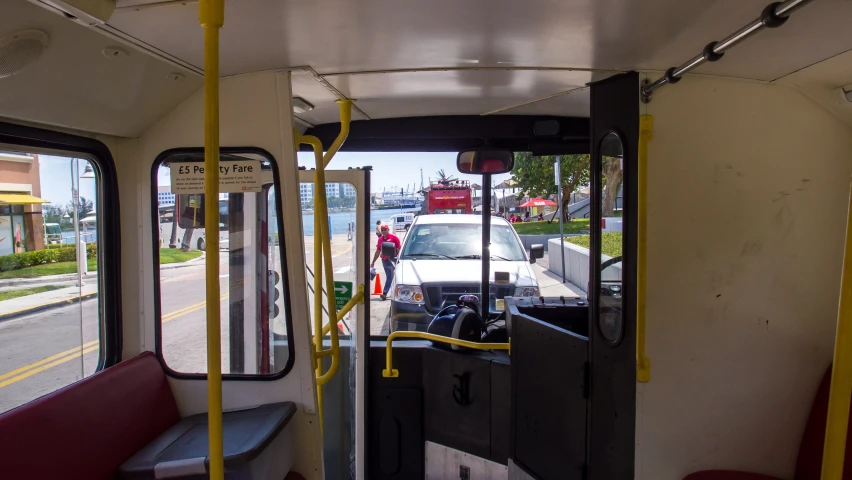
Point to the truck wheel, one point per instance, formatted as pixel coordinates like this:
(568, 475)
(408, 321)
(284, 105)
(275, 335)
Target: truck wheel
(201, 244)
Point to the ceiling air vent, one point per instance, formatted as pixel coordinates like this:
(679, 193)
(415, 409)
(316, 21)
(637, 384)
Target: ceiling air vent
(20, 49)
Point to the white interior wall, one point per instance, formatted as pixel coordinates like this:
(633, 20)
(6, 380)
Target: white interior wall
(254, 112)
(748, 188)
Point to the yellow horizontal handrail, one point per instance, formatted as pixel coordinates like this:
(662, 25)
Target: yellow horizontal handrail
(390, 372)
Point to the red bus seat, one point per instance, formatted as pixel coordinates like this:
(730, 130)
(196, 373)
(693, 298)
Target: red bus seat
(809, 463)
(87, 429)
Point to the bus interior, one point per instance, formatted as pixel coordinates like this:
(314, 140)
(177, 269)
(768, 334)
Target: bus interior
(207, 328)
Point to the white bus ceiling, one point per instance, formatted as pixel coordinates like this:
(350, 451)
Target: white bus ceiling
(343, 40)
(748, 171)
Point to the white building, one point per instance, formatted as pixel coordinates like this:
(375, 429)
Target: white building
(306, 191)
(165, 196)
(332, 190)
(347, 190)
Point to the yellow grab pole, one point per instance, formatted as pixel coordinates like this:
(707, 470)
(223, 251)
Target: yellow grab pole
(318, 332)
(390, 372)
(212, 17)
(643, 363)
(841, 371)
(345, 120)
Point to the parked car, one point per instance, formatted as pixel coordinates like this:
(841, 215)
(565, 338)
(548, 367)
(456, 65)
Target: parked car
(440, 260)
(402, 222)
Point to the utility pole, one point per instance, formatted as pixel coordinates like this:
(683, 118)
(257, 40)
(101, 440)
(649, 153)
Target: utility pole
(557, 170)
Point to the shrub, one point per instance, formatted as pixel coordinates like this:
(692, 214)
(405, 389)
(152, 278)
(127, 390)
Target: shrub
(51, 254)
(610, 243)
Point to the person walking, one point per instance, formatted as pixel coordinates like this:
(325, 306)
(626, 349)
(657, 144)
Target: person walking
(387, 263)
(378, 228)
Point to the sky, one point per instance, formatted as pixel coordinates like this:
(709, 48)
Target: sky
(55, 173)
(399, 169)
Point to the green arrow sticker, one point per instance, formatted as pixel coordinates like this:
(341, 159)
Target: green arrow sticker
(342, 294)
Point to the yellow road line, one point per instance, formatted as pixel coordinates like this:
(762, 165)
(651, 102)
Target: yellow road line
(47, 360)
(49, 365)
(68, 355)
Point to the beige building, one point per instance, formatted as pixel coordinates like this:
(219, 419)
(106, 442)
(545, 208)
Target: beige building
(21, 223)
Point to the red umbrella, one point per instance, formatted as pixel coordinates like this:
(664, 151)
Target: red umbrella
(538, 202)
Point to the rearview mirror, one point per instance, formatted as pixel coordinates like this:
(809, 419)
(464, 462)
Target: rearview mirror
(536, 252)
(389, 250)
(485, 161)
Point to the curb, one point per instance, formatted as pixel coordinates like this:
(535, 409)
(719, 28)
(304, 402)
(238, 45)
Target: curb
(188, 263)
(45, 306)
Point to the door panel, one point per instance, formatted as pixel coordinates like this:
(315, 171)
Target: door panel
(612, 295)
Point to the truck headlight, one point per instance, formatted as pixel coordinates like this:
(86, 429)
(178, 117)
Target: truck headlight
(408, 294)
(526, 292)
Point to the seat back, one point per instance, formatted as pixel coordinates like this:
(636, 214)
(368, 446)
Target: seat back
(809, 463)
(86, 430)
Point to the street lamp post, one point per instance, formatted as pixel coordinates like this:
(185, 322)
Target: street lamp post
(82, 264)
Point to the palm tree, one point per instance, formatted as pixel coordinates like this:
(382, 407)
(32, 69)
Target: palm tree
(443, 177)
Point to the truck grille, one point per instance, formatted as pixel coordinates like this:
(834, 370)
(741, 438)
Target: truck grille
(439, 296)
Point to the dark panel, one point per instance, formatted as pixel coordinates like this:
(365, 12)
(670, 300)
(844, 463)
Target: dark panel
(612, 416)
(395, 413)
(501, 411)
(458, 132)
(549, 409)
(396, 436)
(457, 397)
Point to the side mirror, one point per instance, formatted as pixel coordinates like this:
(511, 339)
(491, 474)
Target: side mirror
(536, 252)
(478, 162)
(388, 249)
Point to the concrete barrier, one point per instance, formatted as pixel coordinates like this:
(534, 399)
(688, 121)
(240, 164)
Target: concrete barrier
(577, 263)
(530, 240)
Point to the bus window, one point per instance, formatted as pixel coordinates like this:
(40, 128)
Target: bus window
(252, 290)
(50, 236)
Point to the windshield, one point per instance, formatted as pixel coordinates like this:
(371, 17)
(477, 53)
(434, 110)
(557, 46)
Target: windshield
(53, 229)
(452, 241)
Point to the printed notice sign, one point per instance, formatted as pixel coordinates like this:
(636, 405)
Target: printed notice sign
(235, 176)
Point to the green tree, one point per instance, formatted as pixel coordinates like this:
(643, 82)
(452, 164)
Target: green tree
(84, 208)
(52, 213)
(612, 174)
(535, 175)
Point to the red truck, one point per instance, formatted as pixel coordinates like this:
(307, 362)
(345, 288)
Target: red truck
(449, 196)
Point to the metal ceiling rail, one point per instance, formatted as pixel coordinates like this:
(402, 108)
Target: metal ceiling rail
(773, 16)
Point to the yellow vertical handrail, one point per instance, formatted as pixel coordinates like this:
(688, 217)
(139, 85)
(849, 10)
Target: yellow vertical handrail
(643, 363)
(322, 254)
(841, 371)
(211, 15)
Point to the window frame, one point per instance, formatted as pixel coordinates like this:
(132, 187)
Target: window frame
(50, 142)
(285, 293)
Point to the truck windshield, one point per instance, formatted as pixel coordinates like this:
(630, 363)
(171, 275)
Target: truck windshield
(460, 240)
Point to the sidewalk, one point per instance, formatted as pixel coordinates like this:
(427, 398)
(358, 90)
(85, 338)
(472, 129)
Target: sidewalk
(550, 285)
(17, 307)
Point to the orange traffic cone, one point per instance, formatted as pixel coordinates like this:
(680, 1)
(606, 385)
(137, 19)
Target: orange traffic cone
(377, 290)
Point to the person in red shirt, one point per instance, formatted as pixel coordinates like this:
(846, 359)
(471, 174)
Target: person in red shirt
(387, 263)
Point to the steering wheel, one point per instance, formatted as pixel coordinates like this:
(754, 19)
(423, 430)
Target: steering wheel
(612, 261)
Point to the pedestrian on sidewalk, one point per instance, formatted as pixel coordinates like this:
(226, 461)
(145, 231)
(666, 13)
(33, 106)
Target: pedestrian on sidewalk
(387, 262)
(378, 228)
